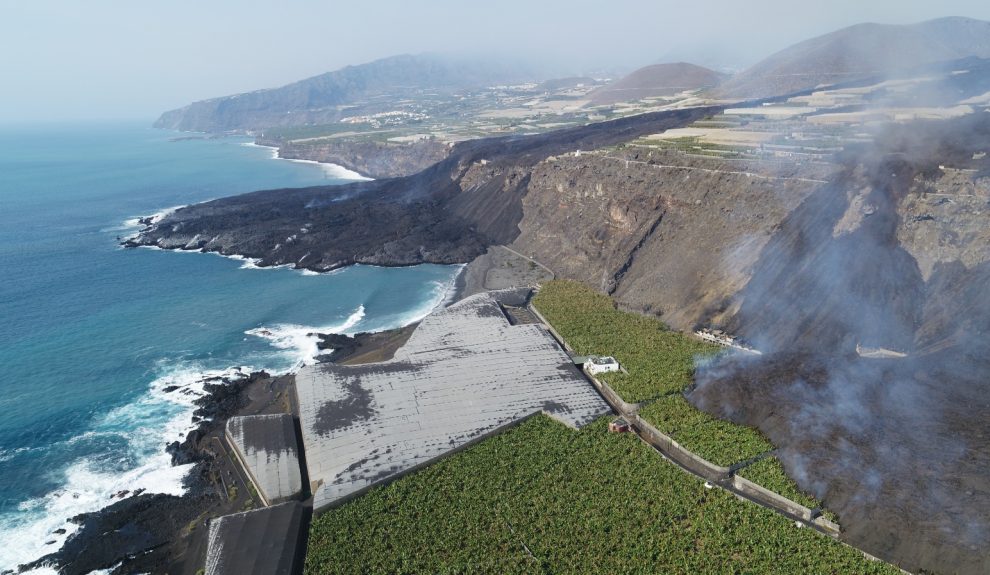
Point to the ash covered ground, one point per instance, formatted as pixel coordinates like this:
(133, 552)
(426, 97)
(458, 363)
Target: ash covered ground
(898, 447)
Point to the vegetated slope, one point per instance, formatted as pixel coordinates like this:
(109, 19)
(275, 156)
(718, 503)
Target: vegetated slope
(542, 498)
(317, 100)
(860, 51)
(659, 365)
(656, 80)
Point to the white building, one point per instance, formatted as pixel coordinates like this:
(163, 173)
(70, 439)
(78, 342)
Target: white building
(596, 365)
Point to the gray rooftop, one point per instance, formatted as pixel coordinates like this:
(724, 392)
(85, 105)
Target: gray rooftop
(266, 446)
(464, 373)
(265, 541)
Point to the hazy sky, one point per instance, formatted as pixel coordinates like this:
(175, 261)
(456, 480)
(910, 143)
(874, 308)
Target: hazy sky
(102, 59)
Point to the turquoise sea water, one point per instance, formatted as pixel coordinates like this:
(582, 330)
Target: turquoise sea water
(92, 335)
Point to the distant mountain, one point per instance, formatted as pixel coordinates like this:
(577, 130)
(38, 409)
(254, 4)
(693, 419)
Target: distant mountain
(656, 80)
(860, 51)
(318, 100)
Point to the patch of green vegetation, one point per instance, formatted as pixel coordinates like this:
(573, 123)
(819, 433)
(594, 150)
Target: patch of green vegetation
(769, 473)
(300, 132)
(721, 442)
(253, 492)
(658, 361)
(660, 364)
(542, 498)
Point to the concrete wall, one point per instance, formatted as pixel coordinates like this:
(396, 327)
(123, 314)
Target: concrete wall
(677, 453)
(266, 448)
(767, 497)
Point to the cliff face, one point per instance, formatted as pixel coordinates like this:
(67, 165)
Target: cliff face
(447, 213)
(666, 233)
(369, 158)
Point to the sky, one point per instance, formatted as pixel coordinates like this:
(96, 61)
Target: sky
(65, 60)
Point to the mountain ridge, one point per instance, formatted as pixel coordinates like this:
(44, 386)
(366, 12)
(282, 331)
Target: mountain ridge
(859, 51)
(656, 80)
(319, 99)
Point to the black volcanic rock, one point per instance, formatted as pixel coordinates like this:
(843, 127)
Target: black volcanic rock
(124, 532)
(448, 213)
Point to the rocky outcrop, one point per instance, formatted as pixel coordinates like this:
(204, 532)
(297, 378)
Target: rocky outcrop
(158, 533)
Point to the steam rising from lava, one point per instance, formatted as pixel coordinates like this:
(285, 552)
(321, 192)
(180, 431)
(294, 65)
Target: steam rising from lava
(900, 448)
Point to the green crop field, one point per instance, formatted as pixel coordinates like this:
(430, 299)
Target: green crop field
(542, 498)
(659, 361)
(721, 442)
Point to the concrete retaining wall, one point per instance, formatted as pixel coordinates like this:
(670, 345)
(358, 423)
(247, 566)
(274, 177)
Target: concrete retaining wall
(677, 453)
(759, 493)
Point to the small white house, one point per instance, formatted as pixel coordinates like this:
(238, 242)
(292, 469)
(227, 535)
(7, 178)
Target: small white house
(597, 365)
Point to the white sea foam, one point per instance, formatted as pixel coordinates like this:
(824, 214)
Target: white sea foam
(134, 224)
(301, 341)
(162, 414)
(441, 294)
(154, 218)
(331, 170)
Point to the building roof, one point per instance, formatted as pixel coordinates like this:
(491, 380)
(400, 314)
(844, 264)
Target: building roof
(465, 372)
(261, 542)
(266, 446)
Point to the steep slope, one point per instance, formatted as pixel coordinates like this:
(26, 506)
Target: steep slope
(860, 51)
(447, 213)
(318, 99)
(892, 441)
(656, 80)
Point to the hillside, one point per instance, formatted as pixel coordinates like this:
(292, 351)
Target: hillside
(812, 226)
(656, 80)
(860, 51)
(319, 100)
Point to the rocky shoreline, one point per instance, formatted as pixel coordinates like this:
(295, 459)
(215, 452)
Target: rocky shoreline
(448, 213)
(159, 533)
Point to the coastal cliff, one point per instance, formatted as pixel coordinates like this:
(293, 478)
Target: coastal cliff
(883, 245)
(448, 213)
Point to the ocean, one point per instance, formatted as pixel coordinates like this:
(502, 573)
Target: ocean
(102, 349)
